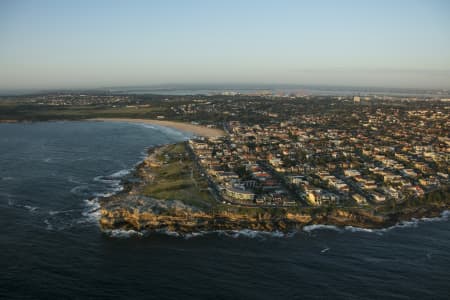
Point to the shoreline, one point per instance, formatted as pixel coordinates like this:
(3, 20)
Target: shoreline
(198, 130)
(130, 210)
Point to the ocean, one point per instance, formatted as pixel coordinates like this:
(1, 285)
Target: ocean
(52, 248)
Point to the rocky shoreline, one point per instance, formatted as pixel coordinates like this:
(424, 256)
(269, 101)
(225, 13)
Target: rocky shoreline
(130, 210)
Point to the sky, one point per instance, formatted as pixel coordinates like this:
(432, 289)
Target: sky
(91, 44)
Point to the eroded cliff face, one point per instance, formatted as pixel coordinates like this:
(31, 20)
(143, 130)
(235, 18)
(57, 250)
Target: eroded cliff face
(186, 221)
(356, 218)
(183, 221)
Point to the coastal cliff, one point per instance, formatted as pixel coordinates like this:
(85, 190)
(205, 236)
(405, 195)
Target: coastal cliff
(187, 221)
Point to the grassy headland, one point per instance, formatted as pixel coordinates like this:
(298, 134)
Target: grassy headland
(174, 177)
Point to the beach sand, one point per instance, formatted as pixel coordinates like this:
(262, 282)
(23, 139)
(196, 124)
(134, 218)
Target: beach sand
(195, 129)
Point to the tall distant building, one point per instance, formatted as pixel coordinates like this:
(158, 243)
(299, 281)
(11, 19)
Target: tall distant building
(356, 99)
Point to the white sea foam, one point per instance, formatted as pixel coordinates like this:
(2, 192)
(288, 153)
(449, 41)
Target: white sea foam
(114, 181)
(107, 180)
(248, 233)
(195, 234)
(120, 174)
(102, 178)
(168, 131)
(291, 234)
(80, 190)
(92, 212)
(117, 189)
(57, 212)
(171, 133)
(149, 126)
(169, 233)
(255, 233)
(103, 195)
(310, 228)
(416, 222)
(92, 203)
(49, 225)
(444, 217)
(359, 229)
(403, 224)
(72, 180)
(121, 233)
(244, 233)
(114, 187)
(7, 196)
(31, 208)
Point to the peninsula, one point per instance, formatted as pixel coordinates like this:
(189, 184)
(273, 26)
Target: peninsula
(169, 193)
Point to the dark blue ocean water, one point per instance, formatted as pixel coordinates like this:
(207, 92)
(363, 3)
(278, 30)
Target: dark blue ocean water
(52, 248)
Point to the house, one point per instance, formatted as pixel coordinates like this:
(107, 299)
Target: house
(351, 173)
(409, 173)
(359, 199)
(226, 176)
(377, 197)
(318, 196)
(239, 193)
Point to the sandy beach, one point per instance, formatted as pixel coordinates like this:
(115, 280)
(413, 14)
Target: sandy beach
(195, 129)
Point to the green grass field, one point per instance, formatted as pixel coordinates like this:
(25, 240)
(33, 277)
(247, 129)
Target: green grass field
(178, 179)
(34, 112)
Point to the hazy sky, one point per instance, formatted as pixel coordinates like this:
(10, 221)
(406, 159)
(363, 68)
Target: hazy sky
(76, 44)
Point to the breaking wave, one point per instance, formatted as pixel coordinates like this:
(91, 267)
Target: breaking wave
(30, 208)
(71, 179)
(49, 226)
(57, 212)
(120, 174)
(254, 234)
(113, 184)
(169, 132)
(310, 228)
(444, 217)
(403, 224)
(122, 233)
(244, 233)
(92, 211)
(113, 178)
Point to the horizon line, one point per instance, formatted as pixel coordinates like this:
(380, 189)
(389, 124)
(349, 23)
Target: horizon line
(213, 86)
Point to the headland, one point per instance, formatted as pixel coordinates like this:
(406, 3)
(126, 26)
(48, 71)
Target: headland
(168, 192)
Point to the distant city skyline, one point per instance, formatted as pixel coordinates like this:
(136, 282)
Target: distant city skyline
(94, 44)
